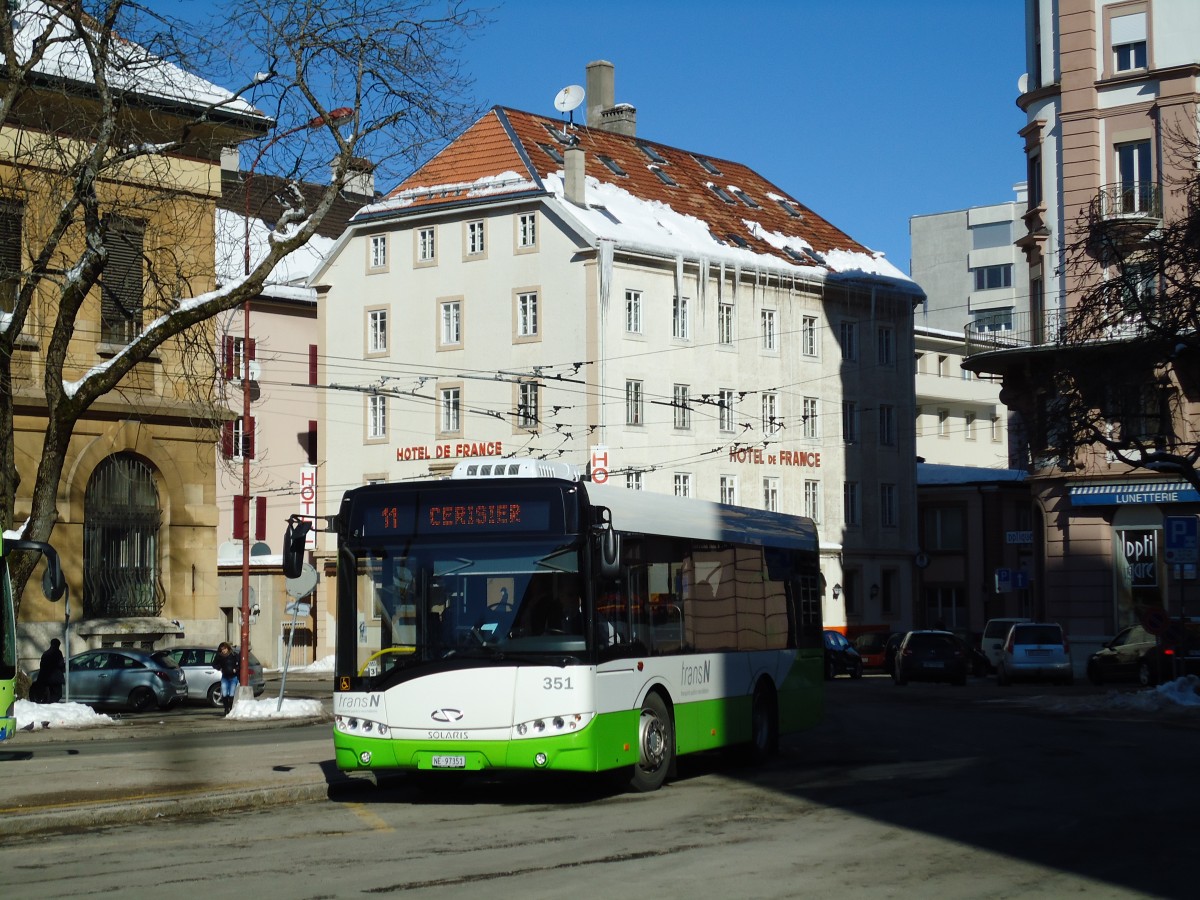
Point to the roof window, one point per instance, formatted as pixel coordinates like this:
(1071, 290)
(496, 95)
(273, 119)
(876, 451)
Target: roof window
(744, 197)
(651, 153)
(613, 165)
(707, 165)
(552, 152)
(560, 136)
(663, 176)
(720, 192)
(737, 239)
(796, 255)
(787, 207)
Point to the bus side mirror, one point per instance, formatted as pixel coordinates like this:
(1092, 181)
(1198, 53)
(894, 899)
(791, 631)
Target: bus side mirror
(293, 547)
(607, 545)
(54, 585)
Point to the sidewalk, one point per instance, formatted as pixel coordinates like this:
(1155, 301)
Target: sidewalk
(59, 780)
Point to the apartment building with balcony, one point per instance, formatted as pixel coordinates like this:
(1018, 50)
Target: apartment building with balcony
(579, 293)
(1110, 89)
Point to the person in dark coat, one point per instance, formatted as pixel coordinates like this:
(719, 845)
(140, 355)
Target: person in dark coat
(229, 664)
(52, 673)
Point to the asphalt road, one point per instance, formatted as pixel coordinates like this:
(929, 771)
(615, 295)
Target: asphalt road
(926, 790)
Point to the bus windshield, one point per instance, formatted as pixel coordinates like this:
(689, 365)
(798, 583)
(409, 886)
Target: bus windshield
(432, 601)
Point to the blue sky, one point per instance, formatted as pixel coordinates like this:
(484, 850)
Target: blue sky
(868, 111)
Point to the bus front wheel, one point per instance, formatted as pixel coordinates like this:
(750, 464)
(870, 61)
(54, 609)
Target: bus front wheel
(656, 745)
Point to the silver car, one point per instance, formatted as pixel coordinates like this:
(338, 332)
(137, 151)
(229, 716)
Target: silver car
(124, 677)
(204, 681)
(1035, 651)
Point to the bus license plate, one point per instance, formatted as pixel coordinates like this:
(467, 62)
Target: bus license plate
(449, 762)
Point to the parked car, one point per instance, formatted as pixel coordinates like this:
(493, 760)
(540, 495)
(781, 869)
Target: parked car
(204, 681)
(872, 647)
(840, 657)
(890, 650)
(994, 634)
(1137, 655)
(931, 656)
(1035, 651)
(125, 677)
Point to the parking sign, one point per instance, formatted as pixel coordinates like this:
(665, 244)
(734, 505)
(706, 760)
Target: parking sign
(1182, 539)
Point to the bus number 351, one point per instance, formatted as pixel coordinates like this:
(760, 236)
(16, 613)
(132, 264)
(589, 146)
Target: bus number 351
(558, 683)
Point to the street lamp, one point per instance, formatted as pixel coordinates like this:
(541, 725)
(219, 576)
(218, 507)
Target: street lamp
(333, 118)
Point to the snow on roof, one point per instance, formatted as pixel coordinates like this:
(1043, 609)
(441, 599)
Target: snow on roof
(131, 67)
(485, 186)
(292, 270)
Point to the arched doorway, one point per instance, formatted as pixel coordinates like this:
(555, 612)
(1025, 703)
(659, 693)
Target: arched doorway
(121, 570)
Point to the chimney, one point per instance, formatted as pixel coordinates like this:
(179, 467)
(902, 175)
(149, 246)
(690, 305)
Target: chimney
(602, 111)
(576, 180)
(230, 159)
(360, 177)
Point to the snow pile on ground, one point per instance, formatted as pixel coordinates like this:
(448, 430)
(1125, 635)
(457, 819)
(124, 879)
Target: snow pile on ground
(1182, 693)
(271, 708)
(36, 716)
(322, 666)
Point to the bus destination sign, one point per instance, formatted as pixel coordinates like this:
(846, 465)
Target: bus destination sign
(459, 515)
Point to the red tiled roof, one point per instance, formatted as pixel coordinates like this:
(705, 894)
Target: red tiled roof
(508, 140)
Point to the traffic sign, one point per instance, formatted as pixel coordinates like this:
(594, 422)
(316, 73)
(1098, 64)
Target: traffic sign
(1155, 619)
(1004, 580)
(1182, 539)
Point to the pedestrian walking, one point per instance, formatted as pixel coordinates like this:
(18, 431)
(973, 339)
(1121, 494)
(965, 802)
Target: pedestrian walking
(229, 665)
(52, 673)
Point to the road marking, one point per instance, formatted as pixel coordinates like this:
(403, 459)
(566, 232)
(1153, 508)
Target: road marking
(376, 822)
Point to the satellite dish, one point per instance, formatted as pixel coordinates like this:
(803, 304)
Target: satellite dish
(568, 98)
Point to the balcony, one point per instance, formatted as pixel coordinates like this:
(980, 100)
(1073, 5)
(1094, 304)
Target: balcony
(1030, 331)
(1122, 215)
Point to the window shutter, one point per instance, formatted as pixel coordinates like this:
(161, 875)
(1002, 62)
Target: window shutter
(228, 358)
(122, 285)
(312, 442)
(260, 518)
(239, 518)
(249, 437)
(312, 363)
(227, 440)
(250, 349)
(10, 254)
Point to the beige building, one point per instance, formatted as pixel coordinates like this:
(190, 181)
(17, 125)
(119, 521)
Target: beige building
(1109, 87)
(585, 294)
(137, 511)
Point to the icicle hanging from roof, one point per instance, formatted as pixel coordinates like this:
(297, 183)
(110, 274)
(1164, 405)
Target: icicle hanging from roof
(702, 283)
(679, 275)
(737, 280)
(606, 272)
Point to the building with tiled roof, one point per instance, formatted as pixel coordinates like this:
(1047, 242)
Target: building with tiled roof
(577, 292)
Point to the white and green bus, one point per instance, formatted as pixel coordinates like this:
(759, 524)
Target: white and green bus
(515, 617)
(54, 587)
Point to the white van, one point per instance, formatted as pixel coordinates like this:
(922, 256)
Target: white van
(994, 634)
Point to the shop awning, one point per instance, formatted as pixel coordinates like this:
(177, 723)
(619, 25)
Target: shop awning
(1115, 494)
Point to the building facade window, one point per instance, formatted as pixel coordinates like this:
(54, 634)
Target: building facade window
(476, 245)
(810, 429)
(681, 402)
(768, 329)
(527, 314)
(376, 417)
(851, 505)
(942, 528)
(996, 428)
(812, 500)
(683, 484)
(725, 324)
(729, 489)
(991, 278)
(634, 414)
(527, 231)
(680, 324)
(633, 481)
(633, 312)
(849, 422)
(970, 426)
(527, 405)
(885, 339)
(770, 488)
(848, 339)
(770, 413)
(726, 409)
(808, 336)
(990, 320)
(122, 284)
(450, 334)
(1135, 176)
(450, 403)
(887, 425)
(1128, 36)
(943, 425)
(12, 216)
(377, 331)
(379, 256)
(427, 245)
(122, 517)
(887, 505)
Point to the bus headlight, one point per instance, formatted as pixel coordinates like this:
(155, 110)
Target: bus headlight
(359, 726)
(549, 726)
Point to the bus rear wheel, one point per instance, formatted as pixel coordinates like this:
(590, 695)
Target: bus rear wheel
(764, 726)
(656, 745)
